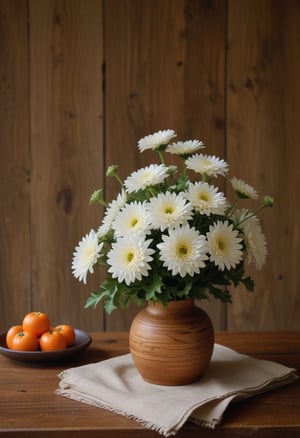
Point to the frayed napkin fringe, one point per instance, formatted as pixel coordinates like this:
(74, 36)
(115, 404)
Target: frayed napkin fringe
(161, 430)
(204, 408)
(211, 424)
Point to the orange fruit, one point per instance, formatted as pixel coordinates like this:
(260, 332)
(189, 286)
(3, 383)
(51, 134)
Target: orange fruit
(52, 340)
(24, 341)
(36, 323)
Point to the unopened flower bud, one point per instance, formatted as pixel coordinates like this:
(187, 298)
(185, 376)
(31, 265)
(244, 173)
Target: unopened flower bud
(97, 197)
(112, 170)
(268, 201)
(172, 169)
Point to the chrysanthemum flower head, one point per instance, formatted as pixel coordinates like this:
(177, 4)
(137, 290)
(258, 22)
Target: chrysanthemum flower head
(255, 241)
(146, 177)
(206, 198)
(169, 210)
(85, 256)
(129, 258)
(184, 147)
(207, 164)
(243, 190)
(242, 216)
(133, 218)
(183, 251)
(224, 245)
(111, 212)
(154, 141)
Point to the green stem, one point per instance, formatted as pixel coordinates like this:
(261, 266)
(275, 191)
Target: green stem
(150, 189)
(254, 213)
(204, 177)
(119, 179)
(233, 206)
(161, 157)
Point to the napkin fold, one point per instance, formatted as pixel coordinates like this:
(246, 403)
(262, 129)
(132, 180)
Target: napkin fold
(116, 385)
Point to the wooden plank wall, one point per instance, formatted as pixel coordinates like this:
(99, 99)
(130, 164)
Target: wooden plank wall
(263, 133)
(82, 81)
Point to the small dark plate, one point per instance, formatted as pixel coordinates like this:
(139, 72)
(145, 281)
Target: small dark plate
(82, 341)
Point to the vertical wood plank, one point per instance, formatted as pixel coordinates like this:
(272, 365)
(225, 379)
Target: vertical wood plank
(14, 164)
(66, 55)
(263, 143)
(164, 70)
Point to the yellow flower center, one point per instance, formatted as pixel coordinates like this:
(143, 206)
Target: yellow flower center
(169, 210)
(134, 222)
(182, 251)
(219, 246)
(203, 197)
(206, 163)
(130, 257)
(146, 176)
(87, 254)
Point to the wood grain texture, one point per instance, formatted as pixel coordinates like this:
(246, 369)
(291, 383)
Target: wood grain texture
(164, 70)
(224, 72)
(171, 345)
(15, 167)
(263, 107)
(67, 151)
(30, 391)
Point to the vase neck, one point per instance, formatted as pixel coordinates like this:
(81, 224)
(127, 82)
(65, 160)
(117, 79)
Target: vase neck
(171, 307)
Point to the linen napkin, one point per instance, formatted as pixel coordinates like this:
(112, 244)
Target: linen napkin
(116, 385)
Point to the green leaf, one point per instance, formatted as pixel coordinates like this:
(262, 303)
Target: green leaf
(109, 305)
(182, 182)
(222, 294)
(249, 283)
(154, 288)
(94, 299)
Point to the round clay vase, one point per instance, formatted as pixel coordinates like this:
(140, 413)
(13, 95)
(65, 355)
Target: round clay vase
(173, 344)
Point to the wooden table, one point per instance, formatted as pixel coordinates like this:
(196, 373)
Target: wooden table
(29, 406)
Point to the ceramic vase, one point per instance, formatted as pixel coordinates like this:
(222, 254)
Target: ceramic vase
(172, 344)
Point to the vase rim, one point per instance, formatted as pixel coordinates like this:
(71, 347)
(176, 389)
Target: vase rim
(173, 304)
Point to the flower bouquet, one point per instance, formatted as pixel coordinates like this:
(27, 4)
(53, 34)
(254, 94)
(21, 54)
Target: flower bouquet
(169, 237)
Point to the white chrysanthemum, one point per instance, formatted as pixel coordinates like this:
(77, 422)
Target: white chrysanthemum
(110, 213)
(129, 258)
(169, 210)
(86, 255)
(131, 219)
(153, 141)
(183, 251)
(255, 241)
(224, 245)
(207, 164)
(206, 198)
(242, 216)
(242, 189)
(145, 177)
(184, 147)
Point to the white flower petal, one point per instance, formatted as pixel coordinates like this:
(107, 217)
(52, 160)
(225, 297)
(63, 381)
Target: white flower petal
(146, 177)
(85, 256)
(111, 212)
(153, 141)
(207, 164)
(184, 147)
(224, 245)
(131, 219)
(242, 189)
(206, 198)
(129, 258)
(169, 210)
(183, 251)
(255, 241)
